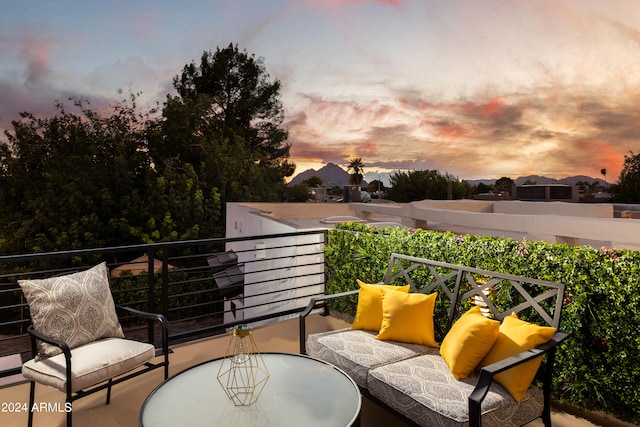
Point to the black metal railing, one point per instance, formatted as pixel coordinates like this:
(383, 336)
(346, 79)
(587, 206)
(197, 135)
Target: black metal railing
(202, 286)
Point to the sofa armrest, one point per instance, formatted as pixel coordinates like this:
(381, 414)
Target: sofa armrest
(313, 303)
(487, 373)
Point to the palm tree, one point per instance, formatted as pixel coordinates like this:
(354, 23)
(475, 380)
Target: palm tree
(603, 171)
(357, 168)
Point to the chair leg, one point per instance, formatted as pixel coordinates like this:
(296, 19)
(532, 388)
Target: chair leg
(70, 413)
(546, 417)
(32, 398)
(109, 392)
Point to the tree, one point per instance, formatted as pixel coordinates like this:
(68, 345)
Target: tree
(227, 123)
(504, 184)
(427, 184)
(483, 188)
(357, 169)
(376, 186)
(627, 189)
(603, 172)
(314, 181)
(84, 179)
(89, 179)
(297, 193)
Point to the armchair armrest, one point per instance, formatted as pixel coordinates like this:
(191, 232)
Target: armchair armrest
(165, 332)
(313, 303)
(153, 317)
(487, 373)
(146, 315)
(35, 335)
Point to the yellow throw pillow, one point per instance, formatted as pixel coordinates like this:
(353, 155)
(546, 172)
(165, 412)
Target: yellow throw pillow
(408, 318)
(369, 311)
(468, 342)
(517, 336)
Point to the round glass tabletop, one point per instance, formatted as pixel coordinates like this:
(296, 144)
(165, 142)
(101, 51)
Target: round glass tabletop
(301, 390)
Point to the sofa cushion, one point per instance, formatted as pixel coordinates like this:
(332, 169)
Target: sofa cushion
(468, 342)
(357, 351)
(516, 336)
(424, 389)
(76, 308)
(408, 318)
(369, 311)
(90, 364)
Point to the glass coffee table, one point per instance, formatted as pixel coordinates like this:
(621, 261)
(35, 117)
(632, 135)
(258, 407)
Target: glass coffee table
(301, 391)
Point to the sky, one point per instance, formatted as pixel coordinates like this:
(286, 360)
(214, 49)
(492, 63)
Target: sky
(479, 89)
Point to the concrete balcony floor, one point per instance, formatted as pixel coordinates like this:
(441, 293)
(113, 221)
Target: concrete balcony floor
(127, 398)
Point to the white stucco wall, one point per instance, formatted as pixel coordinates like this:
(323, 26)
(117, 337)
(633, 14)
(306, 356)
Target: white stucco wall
(279, 272)
(556, 222)
(516, 207)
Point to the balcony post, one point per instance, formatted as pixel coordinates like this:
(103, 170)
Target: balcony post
(151, 302)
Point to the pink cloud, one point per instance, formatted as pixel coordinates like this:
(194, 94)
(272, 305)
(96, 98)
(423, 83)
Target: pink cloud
(452, 131)
(492, 109)
(33, 49)
(328, 116)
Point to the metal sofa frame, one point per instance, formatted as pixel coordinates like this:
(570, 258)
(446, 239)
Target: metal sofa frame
(456, 284)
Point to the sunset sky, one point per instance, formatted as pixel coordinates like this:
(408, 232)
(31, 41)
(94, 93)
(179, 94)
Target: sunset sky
(475, 88)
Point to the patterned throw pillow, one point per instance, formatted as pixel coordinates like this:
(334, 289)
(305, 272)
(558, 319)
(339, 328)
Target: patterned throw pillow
(77, 308)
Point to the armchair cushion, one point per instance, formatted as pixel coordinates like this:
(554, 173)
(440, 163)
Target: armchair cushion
(91, 363)
(76, 308)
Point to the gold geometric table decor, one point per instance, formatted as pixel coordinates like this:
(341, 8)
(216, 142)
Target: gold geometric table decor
(243, 373)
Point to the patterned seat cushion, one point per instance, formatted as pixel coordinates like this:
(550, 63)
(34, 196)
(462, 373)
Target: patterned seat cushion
(358, 351)
(424, 389)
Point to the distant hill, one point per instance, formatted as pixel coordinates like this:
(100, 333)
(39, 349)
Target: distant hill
(571, 180)
(331, 175)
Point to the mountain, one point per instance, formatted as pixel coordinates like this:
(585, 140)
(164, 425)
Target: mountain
(573, 180)
(331, 175)
(570, 180)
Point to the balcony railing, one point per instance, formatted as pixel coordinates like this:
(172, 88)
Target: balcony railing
(202, 286)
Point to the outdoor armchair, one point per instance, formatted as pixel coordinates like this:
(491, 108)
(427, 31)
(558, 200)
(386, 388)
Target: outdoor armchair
(77, 342)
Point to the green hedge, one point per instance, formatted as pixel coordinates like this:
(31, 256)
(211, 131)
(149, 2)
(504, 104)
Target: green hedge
(598, 368)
